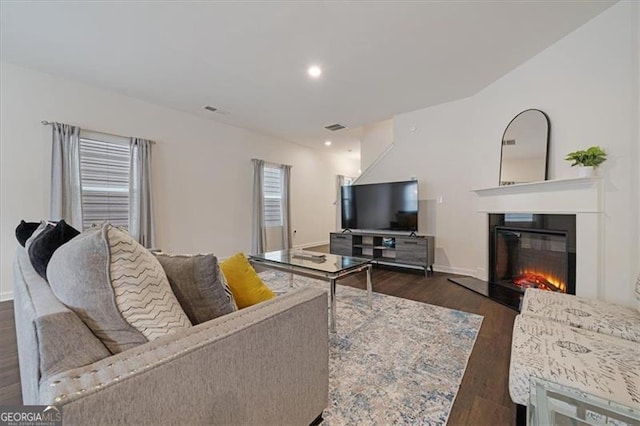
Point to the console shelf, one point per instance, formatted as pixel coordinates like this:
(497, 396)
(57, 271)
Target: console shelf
(396, 249)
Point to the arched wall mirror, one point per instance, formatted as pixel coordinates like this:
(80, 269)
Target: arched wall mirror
(524, 148)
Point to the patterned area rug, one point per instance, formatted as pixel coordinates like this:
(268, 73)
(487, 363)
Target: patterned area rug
(401, 362)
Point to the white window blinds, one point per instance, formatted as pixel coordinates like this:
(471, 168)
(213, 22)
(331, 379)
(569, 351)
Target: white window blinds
(272, 196)
(104, 164)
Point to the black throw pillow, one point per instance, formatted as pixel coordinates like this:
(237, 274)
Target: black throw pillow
(47, 242)
(24, 231)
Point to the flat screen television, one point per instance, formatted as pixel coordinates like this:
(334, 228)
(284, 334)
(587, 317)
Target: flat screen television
(391, 206)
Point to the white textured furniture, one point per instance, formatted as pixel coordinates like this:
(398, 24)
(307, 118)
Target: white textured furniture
(583, 344)
(554, 404)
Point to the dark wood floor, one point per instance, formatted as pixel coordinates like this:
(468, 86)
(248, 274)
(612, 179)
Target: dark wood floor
(483, 398)
(9, 372)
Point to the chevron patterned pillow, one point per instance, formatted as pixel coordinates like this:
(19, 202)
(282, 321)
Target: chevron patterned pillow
(117, 287)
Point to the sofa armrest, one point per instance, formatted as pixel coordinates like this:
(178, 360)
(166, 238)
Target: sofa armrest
(51, 338)
(267, 364)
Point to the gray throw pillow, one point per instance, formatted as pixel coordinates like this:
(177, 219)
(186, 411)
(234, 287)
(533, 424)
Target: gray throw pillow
(199, 285)
(43, 225)
(116, 287)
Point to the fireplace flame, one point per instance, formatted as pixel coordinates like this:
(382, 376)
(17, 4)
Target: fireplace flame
(540, 280)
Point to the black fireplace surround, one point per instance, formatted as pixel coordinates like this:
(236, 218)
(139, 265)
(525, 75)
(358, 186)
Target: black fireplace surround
(531, 250)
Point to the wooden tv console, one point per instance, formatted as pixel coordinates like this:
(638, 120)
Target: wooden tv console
(393, 249)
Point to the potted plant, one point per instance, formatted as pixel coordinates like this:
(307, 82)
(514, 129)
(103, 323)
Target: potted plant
(588, 160)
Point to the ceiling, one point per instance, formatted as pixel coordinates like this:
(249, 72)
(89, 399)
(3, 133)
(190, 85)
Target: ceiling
(249, 59)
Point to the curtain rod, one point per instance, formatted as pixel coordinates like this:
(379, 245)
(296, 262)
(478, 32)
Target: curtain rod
(271, 162)
(48, 123)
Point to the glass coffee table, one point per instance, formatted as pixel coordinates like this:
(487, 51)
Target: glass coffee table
(329, 267)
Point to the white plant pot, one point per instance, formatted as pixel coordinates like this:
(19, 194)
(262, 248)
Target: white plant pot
(586, 171)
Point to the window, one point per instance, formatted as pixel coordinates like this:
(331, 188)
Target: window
(104, 169)
(272, 190)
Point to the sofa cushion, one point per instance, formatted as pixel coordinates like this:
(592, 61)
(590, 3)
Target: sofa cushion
(198, 285)
(117, 287)
(581, 312)
(24, 230)
(246, 286)
(44, 244)
(595, 363)
(65, 342)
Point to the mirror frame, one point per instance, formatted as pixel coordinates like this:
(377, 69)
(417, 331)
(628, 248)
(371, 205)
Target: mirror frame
(546, 159)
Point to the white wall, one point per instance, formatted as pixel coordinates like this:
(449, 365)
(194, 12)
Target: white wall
(202, 169)
(587, 83)
(377, 137)
(436, 152)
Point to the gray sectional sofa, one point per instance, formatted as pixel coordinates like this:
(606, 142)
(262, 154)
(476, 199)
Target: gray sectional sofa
(266, 364)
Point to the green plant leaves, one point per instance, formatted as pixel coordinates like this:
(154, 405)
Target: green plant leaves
(593, 156)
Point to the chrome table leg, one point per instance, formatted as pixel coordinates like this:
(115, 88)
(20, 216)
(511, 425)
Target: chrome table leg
(332, 313)
(369, 287)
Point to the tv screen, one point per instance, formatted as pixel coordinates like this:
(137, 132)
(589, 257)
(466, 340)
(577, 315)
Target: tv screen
(389, 206)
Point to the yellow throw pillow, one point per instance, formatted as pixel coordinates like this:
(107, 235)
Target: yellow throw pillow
(245, 284)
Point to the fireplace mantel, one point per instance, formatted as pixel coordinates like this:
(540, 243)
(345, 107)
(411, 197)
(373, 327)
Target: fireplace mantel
(541, 186)
(582, 197)
(568, 196)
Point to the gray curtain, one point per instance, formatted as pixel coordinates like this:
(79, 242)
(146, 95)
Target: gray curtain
(286, 207)
(338, 203)
(259, 233)
(66, 183)
(141, 224)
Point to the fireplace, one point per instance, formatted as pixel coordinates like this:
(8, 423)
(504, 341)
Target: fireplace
(531, 251)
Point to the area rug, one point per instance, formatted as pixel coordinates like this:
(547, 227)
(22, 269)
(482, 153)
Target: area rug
(401, 362)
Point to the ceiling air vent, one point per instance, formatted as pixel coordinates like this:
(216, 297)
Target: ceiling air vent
(335, 127)
(210, 108)
(509, 142)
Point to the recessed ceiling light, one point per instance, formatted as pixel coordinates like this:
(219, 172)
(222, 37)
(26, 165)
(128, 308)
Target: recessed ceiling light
(327, 143)
(314, 71)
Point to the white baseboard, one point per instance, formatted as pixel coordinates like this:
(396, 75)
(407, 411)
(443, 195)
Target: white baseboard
(307, 245)
(455, 270)
(6, 295)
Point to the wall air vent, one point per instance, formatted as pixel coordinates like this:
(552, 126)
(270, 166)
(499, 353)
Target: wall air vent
(509, 142)
(210, 108)
(335, 127)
